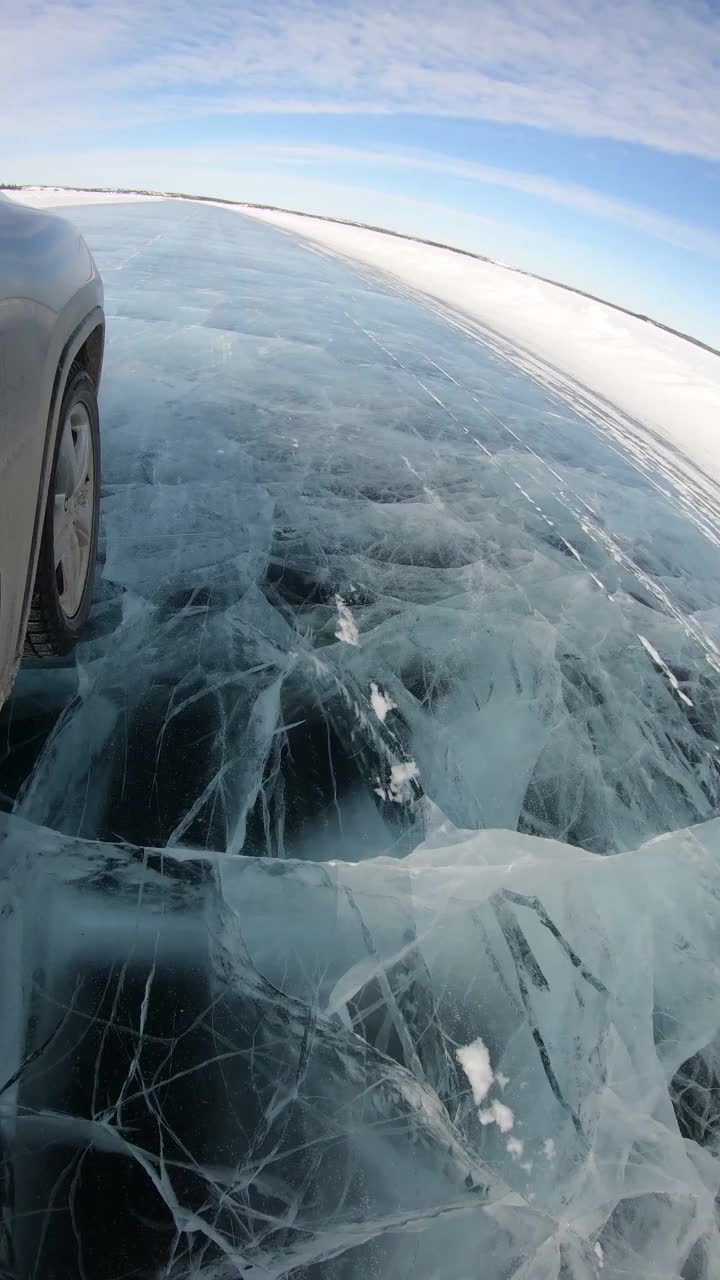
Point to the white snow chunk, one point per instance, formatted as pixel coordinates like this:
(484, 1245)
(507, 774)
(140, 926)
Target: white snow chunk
(515, 1146)
(549, 1149)
(497, 1113)
(474, 1059)
(599, 1254)
(346, 629)
(399, 789)
(381, 703)
(401, 775)
(501, 1079)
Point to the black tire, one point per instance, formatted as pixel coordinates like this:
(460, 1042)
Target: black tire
(50, 632)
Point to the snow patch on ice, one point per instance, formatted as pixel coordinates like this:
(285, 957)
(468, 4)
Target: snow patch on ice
(497, 1113)
(474, 1059)
(346, 629)
(380, 702)
(399, 788)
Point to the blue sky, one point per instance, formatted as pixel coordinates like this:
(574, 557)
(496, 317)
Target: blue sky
(575, 138)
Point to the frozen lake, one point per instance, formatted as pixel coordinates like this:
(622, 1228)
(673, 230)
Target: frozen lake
(364, 589)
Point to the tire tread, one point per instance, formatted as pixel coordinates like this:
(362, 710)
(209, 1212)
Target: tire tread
(42, 638)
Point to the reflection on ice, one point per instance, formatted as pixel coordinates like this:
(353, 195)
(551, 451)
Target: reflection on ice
(340, 950)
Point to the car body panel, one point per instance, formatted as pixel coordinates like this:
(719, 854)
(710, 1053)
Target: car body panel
(51, 300)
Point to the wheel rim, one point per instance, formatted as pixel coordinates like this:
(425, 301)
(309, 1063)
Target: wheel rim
(73, 509)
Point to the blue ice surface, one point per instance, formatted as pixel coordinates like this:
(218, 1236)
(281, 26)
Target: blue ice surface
(279, 431)
(374, 611)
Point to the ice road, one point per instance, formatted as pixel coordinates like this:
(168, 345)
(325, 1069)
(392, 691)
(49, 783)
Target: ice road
(338, 942)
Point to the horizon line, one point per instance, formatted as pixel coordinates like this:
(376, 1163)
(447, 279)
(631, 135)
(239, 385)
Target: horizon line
(368, 226)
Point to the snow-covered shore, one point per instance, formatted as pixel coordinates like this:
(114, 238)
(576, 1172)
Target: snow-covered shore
(660, 379)
(60, 197)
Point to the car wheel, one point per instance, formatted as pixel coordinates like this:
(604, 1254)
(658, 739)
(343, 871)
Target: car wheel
(66, 565)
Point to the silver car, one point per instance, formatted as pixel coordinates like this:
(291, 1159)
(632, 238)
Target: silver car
(52, 336)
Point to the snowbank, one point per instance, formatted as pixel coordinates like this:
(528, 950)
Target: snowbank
(57, 197)
(663, 381)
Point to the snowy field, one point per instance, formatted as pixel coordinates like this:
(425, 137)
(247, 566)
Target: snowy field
(349, 936)
(62, 197)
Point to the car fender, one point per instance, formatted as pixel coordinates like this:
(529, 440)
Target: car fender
(51, 300)
(77, 340)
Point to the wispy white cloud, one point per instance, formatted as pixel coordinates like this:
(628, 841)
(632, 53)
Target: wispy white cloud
(569, 194)
(646, 72)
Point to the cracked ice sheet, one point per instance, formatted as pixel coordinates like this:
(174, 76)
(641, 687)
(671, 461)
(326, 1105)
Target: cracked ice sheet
(278, 434)
(505, 576)
(256, 1060)
(667, 388)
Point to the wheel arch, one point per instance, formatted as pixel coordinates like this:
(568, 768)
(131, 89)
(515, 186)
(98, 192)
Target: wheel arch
(90, 354)
(85, 347)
